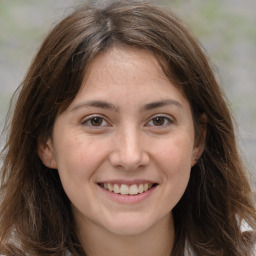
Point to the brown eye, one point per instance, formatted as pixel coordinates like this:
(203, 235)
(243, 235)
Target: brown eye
(159, 120)
(96, 121)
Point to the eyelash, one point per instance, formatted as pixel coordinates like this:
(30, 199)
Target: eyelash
(103, 123)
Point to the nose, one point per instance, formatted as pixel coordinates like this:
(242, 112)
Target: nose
(128, 151)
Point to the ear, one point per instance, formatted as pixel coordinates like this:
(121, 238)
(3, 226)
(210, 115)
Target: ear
(46, 153)
(200, 140)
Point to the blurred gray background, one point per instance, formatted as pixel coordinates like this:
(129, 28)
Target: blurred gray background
(226, 29)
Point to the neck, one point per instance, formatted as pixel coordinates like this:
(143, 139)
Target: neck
(158, 240)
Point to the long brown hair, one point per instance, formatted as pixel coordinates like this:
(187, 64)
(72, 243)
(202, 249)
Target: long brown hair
(35, 214)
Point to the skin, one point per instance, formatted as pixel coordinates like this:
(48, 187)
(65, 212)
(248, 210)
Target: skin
(130, 141)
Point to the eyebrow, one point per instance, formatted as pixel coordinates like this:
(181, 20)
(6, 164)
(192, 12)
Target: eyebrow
(97, 104)
(162, 103)
(110, 106)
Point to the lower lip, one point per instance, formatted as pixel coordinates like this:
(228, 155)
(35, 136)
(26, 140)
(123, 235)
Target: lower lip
(127, 199)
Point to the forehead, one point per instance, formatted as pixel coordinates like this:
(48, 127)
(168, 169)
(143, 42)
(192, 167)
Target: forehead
(127, 75)
(118, 60)
(124, 63)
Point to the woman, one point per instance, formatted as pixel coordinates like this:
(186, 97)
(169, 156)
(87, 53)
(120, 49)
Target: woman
(121, 144)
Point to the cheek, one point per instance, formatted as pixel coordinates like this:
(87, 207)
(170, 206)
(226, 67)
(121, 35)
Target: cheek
(175, 163)
(176, 155)
(80, 156)
(78, 160)
(172, 159)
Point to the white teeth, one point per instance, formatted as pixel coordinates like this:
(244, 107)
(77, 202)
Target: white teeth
(141, 188)
(116, 189)
(127, 190)
(134, 190)
(110, 187)
(124, 189)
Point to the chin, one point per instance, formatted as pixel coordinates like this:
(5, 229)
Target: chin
(131, 226)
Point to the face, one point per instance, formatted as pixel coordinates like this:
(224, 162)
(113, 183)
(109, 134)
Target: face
(125, 146)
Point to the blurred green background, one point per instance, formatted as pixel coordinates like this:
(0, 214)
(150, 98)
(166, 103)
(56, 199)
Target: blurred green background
(225, 28)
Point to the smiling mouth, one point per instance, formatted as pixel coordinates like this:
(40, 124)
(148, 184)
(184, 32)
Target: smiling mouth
(125, 189)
